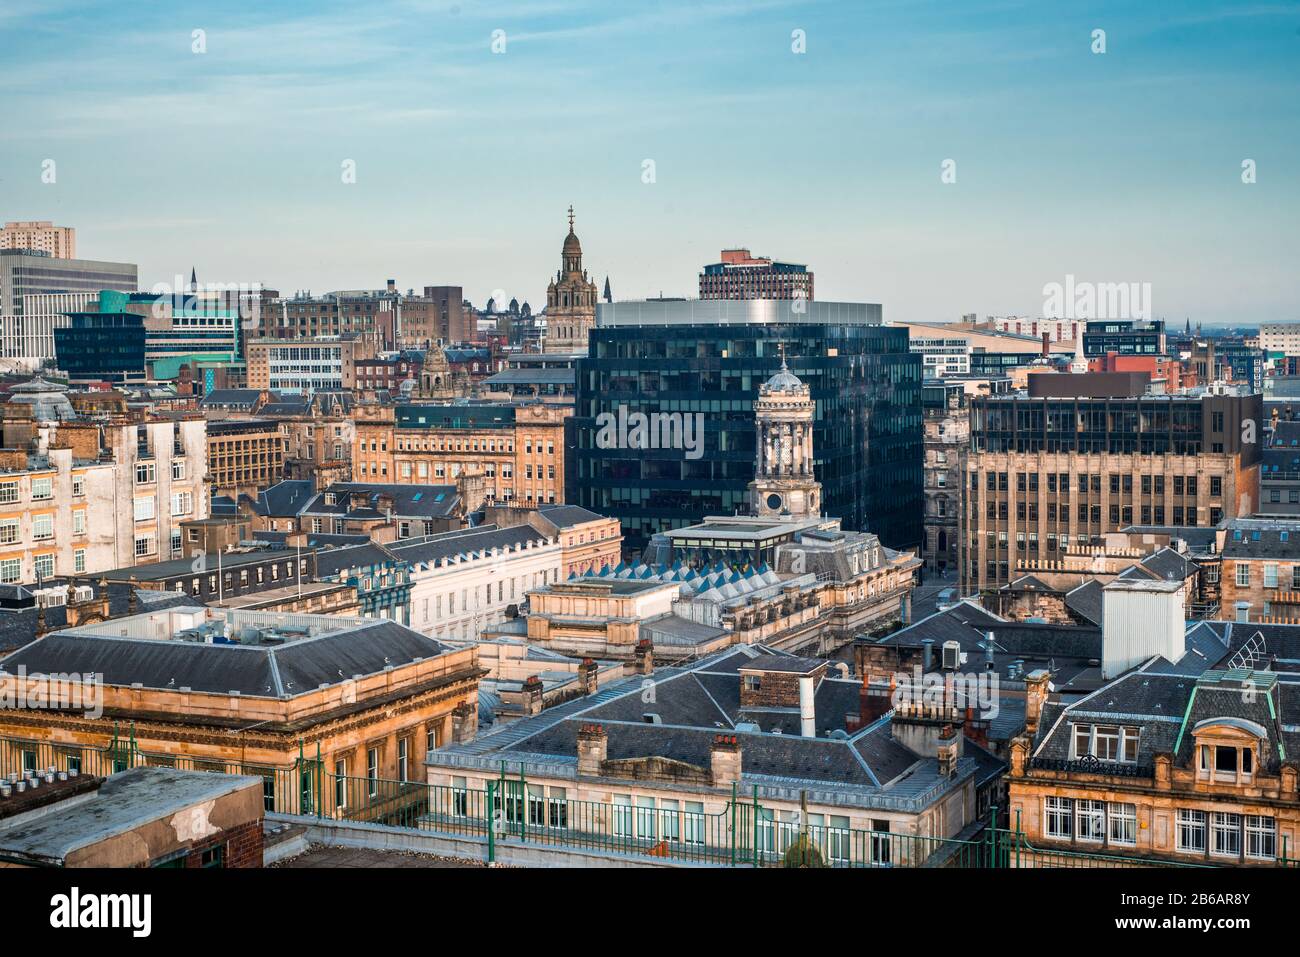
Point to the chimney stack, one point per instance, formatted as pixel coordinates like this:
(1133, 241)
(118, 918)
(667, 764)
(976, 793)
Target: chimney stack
(593, 748)
(464, 723)
(948, 751)
(807, 708)
(587, 674)
(724, 760)
(645, 657)
(532, 693)
(875, 699)
(1035, 697)
(977, 729)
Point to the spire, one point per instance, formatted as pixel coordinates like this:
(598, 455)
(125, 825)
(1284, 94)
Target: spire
(194, 280)
(570, 219)
(609, 296)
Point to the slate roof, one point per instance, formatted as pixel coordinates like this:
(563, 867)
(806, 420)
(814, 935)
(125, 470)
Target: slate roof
(409, 501)
(260, 671)
(567, 516)
(335, 561)
(158, 571)
(1153, 702)
(1085, 601)
(1029, 583)
(1169, 565)
(1071, 652)
(284, 498)
(287, 407)
(313, 539)
(226, 398)
(1167, 708)
(430, 549)
(694, 703)
(1262, 538)
(784, 663)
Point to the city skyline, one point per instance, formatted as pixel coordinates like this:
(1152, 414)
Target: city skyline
(1123, 166)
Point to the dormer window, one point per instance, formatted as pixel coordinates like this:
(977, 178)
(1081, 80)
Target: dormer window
(1116, 744)
(753, 682)
(1228, 749)
(1226, 761)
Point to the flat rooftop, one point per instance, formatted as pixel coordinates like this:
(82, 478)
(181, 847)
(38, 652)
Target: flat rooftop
(743, 529)
(122, 803)
(743, 312)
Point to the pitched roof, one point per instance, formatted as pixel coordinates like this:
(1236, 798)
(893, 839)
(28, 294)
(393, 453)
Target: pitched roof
(284, 499)
(692, 704)
(1085, 601)
(261, 671)
(408, 501)
(465, 542)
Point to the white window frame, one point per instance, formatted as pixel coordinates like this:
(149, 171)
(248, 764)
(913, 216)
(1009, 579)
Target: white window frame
(1121, 824)
(1058, 811)
(1260, 837)
(1191, 823)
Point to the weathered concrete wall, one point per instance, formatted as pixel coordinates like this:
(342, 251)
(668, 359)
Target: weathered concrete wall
(508, 850)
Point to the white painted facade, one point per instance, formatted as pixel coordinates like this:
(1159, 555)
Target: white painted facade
(460, 596)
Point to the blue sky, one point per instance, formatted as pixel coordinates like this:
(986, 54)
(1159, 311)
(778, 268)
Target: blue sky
(1123, 166)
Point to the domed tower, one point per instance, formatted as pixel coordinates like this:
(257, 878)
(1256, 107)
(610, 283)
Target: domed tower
(784, 484)
(570, 300)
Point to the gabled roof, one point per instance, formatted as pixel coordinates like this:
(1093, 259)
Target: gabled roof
(1085, 601)
(408, 501)
(287, 498)
(246, 398)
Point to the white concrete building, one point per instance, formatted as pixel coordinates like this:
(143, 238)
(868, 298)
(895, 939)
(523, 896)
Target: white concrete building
(464, 581)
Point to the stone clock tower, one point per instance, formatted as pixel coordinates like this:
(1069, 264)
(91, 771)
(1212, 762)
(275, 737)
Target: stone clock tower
(784, 485)
(570, 301)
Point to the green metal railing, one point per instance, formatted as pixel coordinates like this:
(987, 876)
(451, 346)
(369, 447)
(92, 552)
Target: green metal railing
(744, 833)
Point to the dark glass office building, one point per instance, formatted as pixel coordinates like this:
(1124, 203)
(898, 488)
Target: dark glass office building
(1124, 337)
(709, 358)
(102, 347)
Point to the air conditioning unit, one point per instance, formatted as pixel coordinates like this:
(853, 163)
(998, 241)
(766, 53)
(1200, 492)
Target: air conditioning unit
(50, 597)
(951, 656)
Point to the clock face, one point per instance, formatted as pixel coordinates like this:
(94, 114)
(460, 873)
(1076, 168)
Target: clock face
(774, 501)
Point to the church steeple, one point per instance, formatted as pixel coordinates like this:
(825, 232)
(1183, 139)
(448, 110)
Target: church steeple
(570, 300)
(572, 253)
